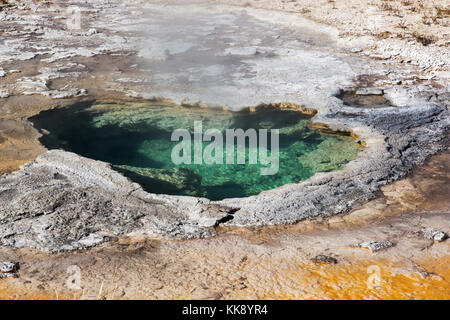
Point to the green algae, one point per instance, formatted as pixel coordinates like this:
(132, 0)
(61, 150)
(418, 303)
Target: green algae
(135, 139)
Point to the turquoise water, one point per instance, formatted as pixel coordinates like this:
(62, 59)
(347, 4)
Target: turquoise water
(136, 139)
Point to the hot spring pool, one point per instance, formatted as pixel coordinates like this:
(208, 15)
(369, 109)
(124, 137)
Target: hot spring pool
(136, 139)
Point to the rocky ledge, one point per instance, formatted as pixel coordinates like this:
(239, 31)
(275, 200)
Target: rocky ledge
(63, 201)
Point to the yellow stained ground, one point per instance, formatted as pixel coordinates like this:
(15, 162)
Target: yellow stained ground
(370, 279)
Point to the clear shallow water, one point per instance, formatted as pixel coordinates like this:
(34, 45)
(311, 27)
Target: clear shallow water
(135, 139)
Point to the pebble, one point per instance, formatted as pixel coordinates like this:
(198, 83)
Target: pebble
(375, 246)
(8, 266)
(324, 259)
(434, 234)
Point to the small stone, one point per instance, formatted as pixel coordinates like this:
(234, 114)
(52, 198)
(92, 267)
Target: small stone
(375, 246)
(434, 234)
(324, 259)
(91, 32)
(4, 93)
(8, 266)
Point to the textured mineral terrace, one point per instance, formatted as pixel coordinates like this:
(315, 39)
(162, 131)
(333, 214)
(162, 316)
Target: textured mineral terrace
(205, 54)
(375, 69)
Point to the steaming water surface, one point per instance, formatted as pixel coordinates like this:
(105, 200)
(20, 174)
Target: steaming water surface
(136, 140)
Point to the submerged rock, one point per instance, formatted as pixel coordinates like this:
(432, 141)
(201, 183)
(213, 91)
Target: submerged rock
(167, 181)
(325, 158)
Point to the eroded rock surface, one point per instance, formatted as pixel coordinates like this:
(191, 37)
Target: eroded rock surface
(65, 201)
(233, 57)
(69, 202)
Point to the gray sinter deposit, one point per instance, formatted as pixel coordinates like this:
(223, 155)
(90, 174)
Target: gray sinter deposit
(65, 201)
(220, 56)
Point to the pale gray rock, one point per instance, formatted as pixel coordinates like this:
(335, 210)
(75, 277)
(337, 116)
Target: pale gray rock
(29, 86)
(434, 234)
(66, 92)
(8, 266)
(375, 246)
(63, 202)
(4, 93)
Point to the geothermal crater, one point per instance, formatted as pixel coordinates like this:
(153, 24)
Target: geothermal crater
(136, 139)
